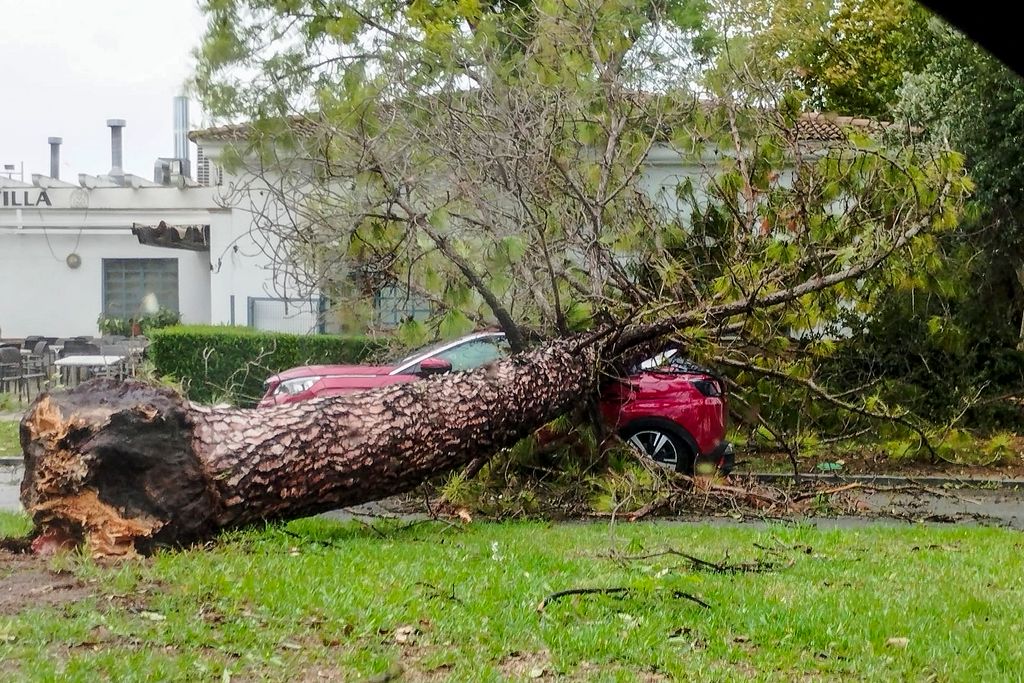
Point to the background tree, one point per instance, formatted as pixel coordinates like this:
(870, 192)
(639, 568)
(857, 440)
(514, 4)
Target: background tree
(947, 340)
(966, 98)
(847, 56)
(941, 340)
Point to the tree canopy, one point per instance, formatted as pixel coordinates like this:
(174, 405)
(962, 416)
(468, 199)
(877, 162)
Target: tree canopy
(848, 56)
(561, 165)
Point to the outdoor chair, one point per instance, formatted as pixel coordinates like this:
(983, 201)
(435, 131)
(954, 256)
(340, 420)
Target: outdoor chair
(74, 347)
(30, 342)
(11, 370)
(37, 366)
(115, 371)
(136, 352)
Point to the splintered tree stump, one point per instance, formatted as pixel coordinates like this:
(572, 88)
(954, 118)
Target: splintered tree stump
(126, 466)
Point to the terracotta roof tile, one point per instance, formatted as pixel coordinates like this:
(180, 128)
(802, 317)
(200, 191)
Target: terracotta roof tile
(242, 131)
(811, 127)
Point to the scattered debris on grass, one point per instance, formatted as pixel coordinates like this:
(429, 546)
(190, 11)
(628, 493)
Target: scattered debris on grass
(618, 590)
(698, 564)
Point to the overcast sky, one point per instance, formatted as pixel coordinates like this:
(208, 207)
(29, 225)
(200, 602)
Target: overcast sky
(69, 65)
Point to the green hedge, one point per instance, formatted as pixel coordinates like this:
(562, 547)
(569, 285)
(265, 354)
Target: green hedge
(222, 363)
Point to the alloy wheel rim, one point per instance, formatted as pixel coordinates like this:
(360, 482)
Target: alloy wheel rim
(656, 445)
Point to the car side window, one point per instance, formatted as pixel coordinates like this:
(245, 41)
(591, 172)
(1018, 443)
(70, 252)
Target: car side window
(475, 353)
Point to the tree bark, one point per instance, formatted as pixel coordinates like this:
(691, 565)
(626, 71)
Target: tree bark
(125, 467)
(1019, 270)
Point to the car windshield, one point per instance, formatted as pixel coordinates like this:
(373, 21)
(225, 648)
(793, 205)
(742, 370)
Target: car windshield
(426, 348)
(465, 353)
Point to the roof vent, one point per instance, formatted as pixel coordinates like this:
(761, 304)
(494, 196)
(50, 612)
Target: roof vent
(116, 147)
(55, 144)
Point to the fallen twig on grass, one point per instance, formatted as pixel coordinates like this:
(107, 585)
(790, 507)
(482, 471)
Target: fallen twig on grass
(651, 507)
(611, 591)
(805, 549)
(828, 492)
(306, 539)
(437, 593)
(704, 565)
(691, 598)
(371, 527)
(578, 591)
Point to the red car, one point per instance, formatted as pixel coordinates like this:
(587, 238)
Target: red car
(673, 411)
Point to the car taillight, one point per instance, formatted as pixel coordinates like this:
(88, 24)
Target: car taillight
(708, 387)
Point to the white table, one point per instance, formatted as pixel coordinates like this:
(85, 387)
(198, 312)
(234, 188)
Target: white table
(79, 362)
(88, 361)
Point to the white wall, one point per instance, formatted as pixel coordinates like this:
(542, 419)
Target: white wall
(40, 294)
(242, 267)
(243, 258)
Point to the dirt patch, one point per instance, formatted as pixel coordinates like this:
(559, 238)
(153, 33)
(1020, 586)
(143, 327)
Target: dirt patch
(414, 668)
(27, 582)
(324, 672)
(409, 668)
(587, 671)
(526, 665)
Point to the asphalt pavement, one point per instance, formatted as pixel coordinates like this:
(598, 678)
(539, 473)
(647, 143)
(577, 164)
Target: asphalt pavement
(10, 488)
(993, 503)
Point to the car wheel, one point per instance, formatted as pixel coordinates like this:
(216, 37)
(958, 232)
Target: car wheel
(662, 446)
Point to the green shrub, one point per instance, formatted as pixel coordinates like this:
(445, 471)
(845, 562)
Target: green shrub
(164, 317)
(109, 325)
(215, 363)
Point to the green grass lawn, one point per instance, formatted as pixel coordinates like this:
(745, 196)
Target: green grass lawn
(318, 600)
(9, 445)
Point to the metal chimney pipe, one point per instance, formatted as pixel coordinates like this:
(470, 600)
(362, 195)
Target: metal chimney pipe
(55, 144)
(116, 147)
(181, 150)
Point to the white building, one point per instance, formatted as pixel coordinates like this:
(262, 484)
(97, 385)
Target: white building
(68, 255)
(73, 251)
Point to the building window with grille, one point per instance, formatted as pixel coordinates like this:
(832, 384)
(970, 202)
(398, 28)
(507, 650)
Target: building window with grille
(202, 167)
(394, 305)
(296, 316)
(133, 287)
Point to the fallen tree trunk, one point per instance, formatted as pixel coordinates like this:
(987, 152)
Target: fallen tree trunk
(124, 467)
